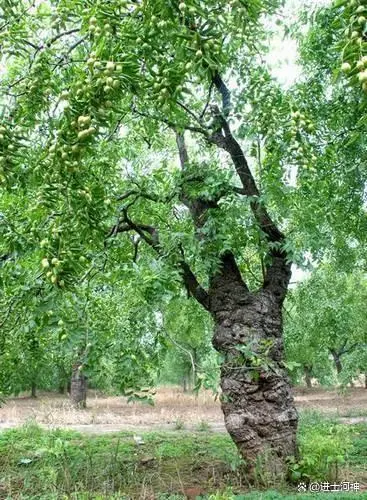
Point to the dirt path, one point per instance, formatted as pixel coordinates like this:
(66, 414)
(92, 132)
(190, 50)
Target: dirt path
(112, 428)
(172, 411)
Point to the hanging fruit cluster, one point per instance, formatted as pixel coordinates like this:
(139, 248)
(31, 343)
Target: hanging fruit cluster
(300, 123)
(52, 268)
(39, 88)
(94, 29)
(299, 149)
(10, 143)
(75, 130)
(359, 70)
(59, 261)
(355, 50)
(107, 74)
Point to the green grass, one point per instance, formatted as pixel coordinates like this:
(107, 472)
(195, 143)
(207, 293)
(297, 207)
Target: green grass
(37, 462)
(276, 495)
(58, 464)
(359, 451)
(203, 426)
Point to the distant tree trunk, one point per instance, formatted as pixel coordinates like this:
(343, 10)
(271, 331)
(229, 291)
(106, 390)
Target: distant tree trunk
(186, 379)
(184, 383)
(365, 380)
(337, 360)
(33, 390)
(78, 387)
(193, 368)
(308, 376)
(62, 388)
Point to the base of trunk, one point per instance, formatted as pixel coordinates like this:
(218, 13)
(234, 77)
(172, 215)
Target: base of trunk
(257, 400)
(261, 418)
(33, 391)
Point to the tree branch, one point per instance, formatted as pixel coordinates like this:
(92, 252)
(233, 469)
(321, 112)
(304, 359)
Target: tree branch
(198, 206)
(198, 209)
(208, 100)
(64, 57)
(170, 124)
(278, 271)
(60, 35)
(192, 284)
(190, 281)
(224, 92)
(227, 142)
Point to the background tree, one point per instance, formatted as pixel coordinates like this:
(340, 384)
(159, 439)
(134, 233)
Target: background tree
(326, 324)
(188, 329)
(102, 333)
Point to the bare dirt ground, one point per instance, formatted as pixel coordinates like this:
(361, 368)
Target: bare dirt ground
(173, 409)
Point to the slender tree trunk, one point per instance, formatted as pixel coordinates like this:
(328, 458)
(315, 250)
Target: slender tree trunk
(193, 368)
(185, 385)
(365, 380)
(339, 366)
(308, 377)
(78, 387)
(62, 388)
(257, 401)
(33, 390)
(337, 361)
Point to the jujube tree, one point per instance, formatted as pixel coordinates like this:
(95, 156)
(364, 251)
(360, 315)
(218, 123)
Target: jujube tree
(128, 124)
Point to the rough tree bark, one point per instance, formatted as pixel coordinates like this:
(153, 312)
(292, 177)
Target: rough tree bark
(258, 405)
(257, 402)
(78, 387)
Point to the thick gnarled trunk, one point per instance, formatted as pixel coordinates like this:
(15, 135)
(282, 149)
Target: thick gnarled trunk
(257, 401)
